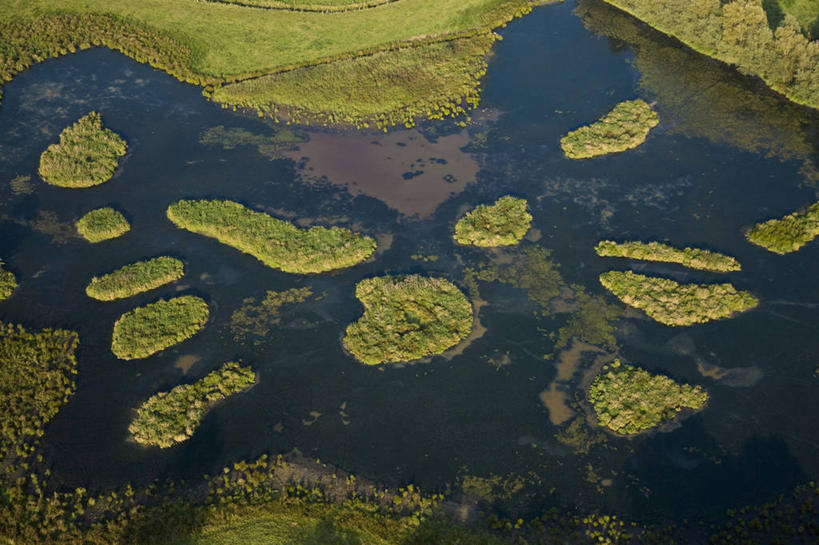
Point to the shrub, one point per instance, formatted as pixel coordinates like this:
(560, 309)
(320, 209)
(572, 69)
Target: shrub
(501, 224)
(135, 278)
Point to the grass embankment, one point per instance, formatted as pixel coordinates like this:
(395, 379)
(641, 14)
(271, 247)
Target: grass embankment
(87, 155)
(628, 400)
(147, 330)
(36, 379)
(694, 258)
(407, 318)
(276, 243)
(787, 234)
(8, 283)
(503, 223)
(675, 304)
(102, 224)
(135, 278)
(325, 6)
(172, 417)
(625, 127)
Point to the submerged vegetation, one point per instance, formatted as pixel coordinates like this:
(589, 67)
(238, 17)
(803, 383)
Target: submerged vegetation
(694, 258)
(787, 234)
(87, 155)
(8, 283)
(102, 224)
(501, 224)
(172, 417)
(256, 317)
(136, 278)
(629, 400)
(271, 147)
(674, 304)
(276, 243)
(623, 128)
(407, 318)
(147, 330)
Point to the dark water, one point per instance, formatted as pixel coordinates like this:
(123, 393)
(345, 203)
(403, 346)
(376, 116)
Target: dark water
(715, 165)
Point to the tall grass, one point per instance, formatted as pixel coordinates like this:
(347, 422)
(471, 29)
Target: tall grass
(102, 224)
(623, 128)
(503, 223)
(135, 278)
(8, 283)
(694, 258)
(787, 234)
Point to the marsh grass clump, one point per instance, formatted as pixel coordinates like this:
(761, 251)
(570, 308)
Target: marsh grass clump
(135, 278)
(674, 304)
(256, 317)
(87, 155)
(102, 224)
(628, 400)
(147, 330)
(8, 283)
(787, 234)
(407, 318)
(503, 223)
(623, 128)
(276, 243)
(694, 258)
(172, 417)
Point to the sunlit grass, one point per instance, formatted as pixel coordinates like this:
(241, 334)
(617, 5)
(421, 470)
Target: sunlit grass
(102, 224)
(623, 128)
(787, 234)
(694, 258)
(135, 278)
(503, 223)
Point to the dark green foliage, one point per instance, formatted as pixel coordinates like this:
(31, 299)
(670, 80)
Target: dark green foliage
(102, 224)
(8, 283)
(135, 278)
(501, 224)
(593, 322)
(787, 234)
(774, 13)
(87, 155)
(695, 258)
(623, 128)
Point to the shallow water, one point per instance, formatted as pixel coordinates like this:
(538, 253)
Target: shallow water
(478, 412)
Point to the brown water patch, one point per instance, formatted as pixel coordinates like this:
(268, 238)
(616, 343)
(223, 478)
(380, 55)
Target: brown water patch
(185, 362)
(478, 331)
(342, 412)
(313, 417)
(570, 358)
(738, 377)
(401, 169)
(383, 242)
(557, 403)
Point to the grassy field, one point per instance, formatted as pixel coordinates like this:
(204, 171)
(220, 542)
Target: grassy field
(102, 224)
(310, 5)
(503, 223)
(625, 127)
(694, 258)
(787, 234)
(135, 278)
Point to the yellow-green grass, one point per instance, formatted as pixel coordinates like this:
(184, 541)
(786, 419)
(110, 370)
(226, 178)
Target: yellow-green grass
(144, 331)
(625, 127)
(694, 258)
(805, 11)
(407, 318)
(168, 418)
(787, 234)
(628, 400)
(310, 5)
(102, 224)
(387, 88)
(276, 243)
(87, 155)
(675, 304)
(135, 278)
(8, 283)
(503, 223)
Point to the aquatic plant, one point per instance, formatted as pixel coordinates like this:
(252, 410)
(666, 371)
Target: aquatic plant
(694, 258)
(269, 146)
(787, 234)
(629, 400)
(532, 269)
(102, 224)
(407, 318)
(8, 283)
(674, 304)
(87, 155)
(21, 185)
(172, 417)
(623, 128)
(256, 317)
(135, 278)
(276, 243)
(147, 330)
(503, 223)
(592, 322)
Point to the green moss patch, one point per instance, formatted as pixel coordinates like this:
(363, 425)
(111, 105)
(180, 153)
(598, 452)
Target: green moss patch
(407, 318)
(694, 258)
(172, 417)
(147, 330)
(135, 278)
(87, 155)
(623, 128)
(501, 224)
(629, 400)
(8, 283)
(675, 304)
(276, 243)
(788, 234)
(102, 224)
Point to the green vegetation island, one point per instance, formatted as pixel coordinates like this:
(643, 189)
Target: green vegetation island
(144, 331)
(787, 234)
(693, 258)
(87, 155)
(775, 40)
(276, 243)
(102, 224)
(8, 283)
(625, 127)
(407, 318)
(674, 304)
(429, 55)
(168, 418)
(503, 223)
(628, 400)
(135, 278)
